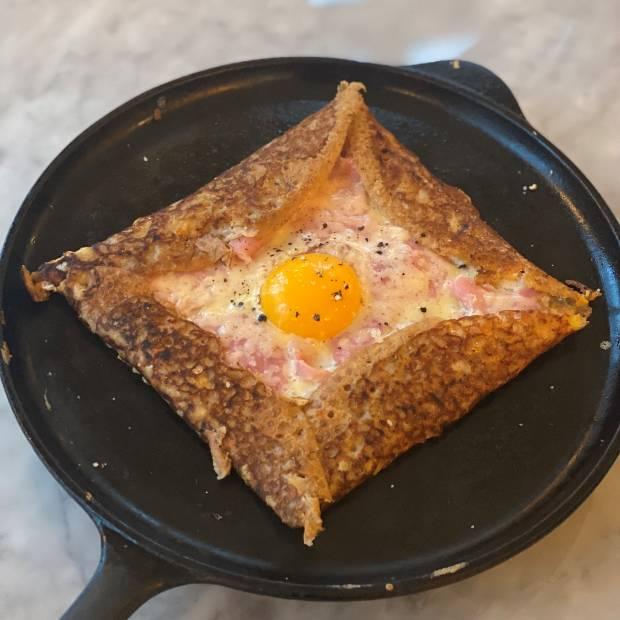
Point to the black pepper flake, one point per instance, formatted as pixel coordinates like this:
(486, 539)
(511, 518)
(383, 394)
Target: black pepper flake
(422, 235)
(290, 243)
(337, 295)
(366, 239)
(422, 309)
(403, 273)
(463, 266)
(262, 318)
(385, 323)
(225, 279)
(379, 252)
(381, 244)
(346, 287)
(316, 317)
(360, 228)
(296, 314)
(324, 225)
(240, 304)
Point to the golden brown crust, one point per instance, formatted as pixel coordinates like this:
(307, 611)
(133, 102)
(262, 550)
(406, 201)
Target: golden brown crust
(441, 217)
(267, 439)
(36, 290)
(372, 409)
(257, 193)
(406, 390)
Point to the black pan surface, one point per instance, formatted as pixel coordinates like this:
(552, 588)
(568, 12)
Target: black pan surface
(491, 485)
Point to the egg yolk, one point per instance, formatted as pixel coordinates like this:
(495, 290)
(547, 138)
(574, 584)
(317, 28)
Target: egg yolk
(312, 295)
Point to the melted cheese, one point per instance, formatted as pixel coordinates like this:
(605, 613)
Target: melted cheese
(401, 283)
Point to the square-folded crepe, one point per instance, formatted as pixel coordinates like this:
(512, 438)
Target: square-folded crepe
(318, 309)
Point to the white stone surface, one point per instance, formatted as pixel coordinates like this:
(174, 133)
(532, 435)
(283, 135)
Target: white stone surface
(64, 64)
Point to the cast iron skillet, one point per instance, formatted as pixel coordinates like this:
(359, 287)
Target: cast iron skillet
(493, 484)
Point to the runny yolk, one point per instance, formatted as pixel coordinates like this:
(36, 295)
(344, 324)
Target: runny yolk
(312, 295)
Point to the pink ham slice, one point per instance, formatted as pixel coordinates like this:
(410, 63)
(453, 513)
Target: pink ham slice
(269, 364)
(343, 347)
(472, 296)
(310, 373)
(245, 247)
(272, 363)
(343, 203)
(345, 173)
(430, 264)
(480, 300)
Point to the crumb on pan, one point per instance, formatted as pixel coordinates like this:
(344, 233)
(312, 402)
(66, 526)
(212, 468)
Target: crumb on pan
(585, 290)
(448, 570)
(6, 353)
(46, 401)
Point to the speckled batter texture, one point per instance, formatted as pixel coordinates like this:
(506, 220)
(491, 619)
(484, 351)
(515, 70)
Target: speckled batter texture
(301, 457)
(441, 218)
(255, 196)
(268, 439)
(401, 393)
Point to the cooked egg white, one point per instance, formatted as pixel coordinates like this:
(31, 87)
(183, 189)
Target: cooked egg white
(338, 279)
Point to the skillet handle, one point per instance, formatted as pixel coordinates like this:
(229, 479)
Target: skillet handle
(473, 77)
(124, 580)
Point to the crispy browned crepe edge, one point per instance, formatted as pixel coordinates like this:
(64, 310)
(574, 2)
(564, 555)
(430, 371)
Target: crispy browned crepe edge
(394, 395)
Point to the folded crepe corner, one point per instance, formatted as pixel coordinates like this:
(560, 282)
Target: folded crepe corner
(299, 458)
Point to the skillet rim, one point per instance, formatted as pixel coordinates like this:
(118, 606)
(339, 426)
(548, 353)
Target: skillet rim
(553, 512)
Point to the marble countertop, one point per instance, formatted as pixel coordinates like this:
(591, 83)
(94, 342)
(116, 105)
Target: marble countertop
(64, 64)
